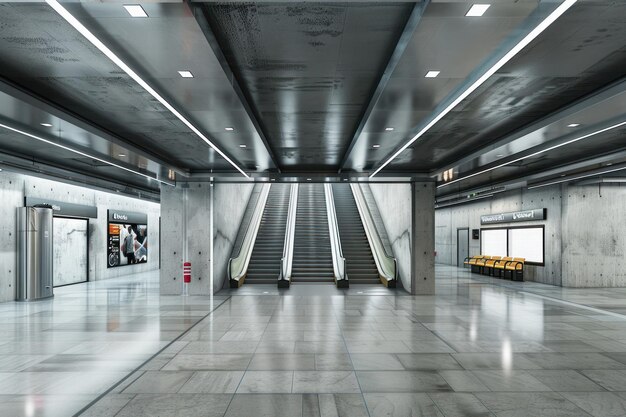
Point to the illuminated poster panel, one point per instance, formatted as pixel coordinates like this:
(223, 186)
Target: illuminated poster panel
(127, 238)
(527, 243)
(493, 242)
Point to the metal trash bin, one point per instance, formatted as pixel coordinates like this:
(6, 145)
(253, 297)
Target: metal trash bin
(35, 253)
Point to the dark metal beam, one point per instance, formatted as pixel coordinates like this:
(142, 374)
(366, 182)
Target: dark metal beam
(199, 11)
(403, 42)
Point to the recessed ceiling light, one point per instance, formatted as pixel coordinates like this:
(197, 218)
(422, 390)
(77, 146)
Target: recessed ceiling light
(608, 164)
(46, 124)
(121, 155)
(477, 10)
(185, 74)
(308, 179)
(375, 146)
(135, 10)
(389, 129)
(242, 146)
(432, 74)
(573, 125)
(562, 175)
(345, 179)
(229, 129)
(499, 155)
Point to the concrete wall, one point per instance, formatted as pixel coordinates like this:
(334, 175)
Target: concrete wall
(13, 188)
(228, 206)
(594, 236)
(394, 204)
(448, 220)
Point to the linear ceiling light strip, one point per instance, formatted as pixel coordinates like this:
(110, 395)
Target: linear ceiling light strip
(563, 7)
(580, 177)
(67, 148)
(597, 132)
(106, 51)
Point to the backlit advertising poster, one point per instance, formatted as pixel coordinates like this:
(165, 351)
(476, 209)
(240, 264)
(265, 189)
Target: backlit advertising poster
(127, 238)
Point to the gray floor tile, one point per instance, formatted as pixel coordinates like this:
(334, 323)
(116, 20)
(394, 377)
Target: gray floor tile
(519, 404)
(512, 381)
(376, 362)
(401, 405)
(333, 362)
(598, 404)
(401, 381)
(208, 362)
(342, 405)
(459, 405)
(494, 361)
(282, 362)
(108, 406)
(463, 381)
(574, 361)
(266, 382)
(612, 380)
(565, 380)
(428, 361)
(316, 382)
(265, 405)
(213, 382)
(155, 382)
(178, 405)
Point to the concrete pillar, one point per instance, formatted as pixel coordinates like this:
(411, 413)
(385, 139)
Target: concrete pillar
(422, 238)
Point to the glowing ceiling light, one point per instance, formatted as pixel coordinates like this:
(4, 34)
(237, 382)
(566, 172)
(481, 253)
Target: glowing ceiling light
(477, 10)
(135, 10)
(432, 74)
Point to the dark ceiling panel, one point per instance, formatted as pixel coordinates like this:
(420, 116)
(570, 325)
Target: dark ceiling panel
(580, 53)
(309, 69)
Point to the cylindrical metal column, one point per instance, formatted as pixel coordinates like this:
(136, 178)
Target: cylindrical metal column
(35, 255)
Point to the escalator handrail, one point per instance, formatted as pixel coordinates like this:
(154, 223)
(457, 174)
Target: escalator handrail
(238, 266)
(339, 262)
(387, 265)
(290, 231)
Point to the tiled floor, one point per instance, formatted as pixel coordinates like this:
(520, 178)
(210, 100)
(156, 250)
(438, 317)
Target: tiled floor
(475, 349)
(58, 355)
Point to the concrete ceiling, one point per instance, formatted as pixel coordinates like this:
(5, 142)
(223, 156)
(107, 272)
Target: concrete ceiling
(310, 88)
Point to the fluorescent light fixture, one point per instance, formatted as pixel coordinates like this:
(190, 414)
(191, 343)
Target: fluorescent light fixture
(242, 146)
(499, 155)
(579, 177)
(185, 74)
(106, 51)
(135, 10)
(86, 155)
(573, 125)
(606, 129)
(121, 155)
(375, 146)
(389, 129)
(432, 74)
(229, 129)
(563, 7)
(477, 10)
(308, 179)
(46, 124)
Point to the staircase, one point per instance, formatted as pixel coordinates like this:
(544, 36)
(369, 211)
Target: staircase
(360, 265)
(265, 261)
(312, 257)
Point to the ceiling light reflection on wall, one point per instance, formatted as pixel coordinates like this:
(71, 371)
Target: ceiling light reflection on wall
(573, 125)
(551, 18)
(229, 129)
(185, 74)
(46, 124)
(389, 129)
(135, 10)
(375, 146)
(477, 10)
(242, 146)
(432, 74)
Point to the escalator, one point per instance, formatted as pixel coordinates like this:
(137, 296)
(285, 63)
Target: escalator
(265, 261)
(312, 257)
(360, 265)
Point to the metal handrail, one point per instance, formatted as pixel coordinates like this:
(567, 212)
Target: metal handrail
(238, 266)
(284, 278)
(339, 262)
(387, 265)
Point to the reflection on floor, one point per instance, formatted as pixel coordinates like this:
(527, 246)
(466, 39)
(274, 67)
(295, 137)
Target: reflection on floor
(474, 349)
(58, 355)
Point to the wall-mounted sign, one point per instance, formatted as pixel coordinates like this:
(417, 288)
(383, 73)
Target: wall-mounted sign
(475, 234)
(64, 209)
(514, 217)
(127, 238)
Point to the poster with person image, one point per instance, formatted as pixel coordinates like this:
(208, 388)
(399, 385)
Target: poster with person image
(127, 238)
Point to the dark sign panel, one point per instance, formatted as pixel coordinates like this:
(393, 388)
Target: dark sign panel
(127, 238)
(514, 217)
(64, 209)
